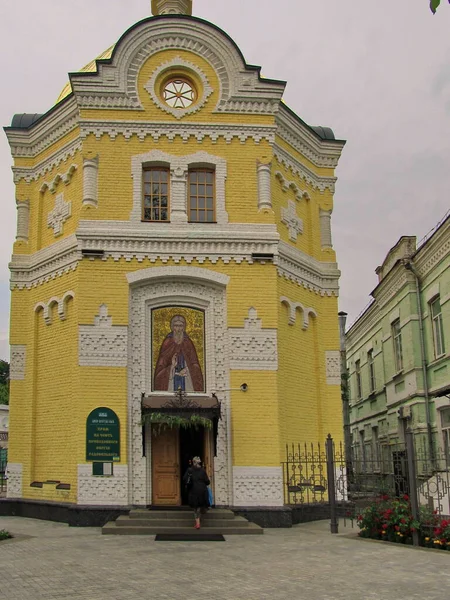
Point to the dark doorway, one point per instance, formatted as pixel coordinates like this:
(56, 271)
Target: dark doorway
(192, 443)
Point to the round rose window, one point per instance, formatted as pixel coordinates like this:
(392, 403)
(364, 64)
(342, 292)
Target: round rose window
(179, 93)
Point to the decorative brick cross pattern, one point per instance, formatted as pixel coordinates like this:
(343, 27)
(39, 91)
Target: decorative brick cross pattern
(59, 215)
(292, 221)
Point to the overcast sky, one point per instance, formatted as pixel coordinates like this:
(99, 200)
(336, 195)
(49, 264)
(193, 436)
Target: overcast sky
(378, 73)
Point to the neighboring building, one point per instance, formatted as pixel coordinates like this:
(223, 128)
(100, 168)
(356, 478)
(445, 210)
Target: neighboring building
(173, 233)
(4, 426)
(398, 352)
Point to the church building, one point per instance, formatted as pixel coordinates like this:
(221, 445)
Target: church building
(174, 284)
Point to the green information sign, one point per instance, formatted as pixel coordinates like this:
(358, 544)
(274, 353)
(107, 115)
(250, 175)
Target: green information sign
(102, 436)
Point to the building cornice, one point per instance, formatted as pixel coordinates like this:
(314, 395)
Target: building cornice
(42, 168)
(171, 130)
(175, 243)
(290, 162)
(28, 143)
(433, 250)
(28, 271)
(320, 277)
(365, 323)
(322, 153)
(188, 242)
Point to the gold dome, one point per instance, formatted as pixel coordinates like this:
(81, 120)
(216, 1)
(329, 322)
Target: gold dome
(89, 68)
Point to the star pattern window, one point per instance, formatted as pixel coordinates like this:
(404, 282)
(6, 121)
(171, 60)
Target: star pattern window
(179, 93)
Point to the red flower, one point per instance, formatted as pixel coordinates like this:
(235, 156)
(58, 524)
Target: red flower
(403, 521)
(397, 528)
(385, 526)
(406, 497)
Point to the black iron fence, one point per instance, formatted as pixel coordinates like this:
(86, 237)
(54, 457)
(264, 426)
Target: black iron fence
(323, 474)
(3, 462)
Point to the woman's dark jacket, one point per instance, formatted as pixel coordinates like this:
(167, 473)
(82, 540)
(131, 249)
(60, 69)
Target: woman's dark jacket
(197, 490)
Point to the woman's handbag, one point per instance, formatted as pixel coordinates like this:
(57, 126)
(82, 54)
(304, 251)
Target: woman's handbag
(188, 481)
(210, 497)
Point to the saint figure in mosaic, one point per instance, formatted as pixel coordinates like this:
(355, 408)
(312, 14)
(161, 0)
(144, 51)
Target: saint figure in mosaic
(178, 365)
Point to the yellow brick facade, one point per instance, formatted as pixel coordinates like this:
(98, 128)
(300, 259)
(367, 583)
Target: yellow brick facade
(238, 270)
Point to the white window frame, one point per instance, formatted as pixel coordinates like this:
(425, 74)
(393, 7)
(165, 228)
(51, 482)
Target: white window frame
(375, 448)
(397, 345)
(438, 328)
(358, 380)
(179, 172)
(371, 365)
(445, 428)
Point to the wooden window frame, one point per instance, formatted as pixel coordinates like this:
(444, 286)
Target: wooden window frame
(197, 210)
(150, 169)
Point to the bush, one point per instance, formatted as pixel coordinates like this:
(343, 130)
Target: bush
(388, 519)
(4, 535)
(391, 519)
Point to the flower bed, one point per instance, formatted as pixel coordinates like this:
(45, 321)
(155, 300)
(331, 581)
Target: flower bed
(391, 519)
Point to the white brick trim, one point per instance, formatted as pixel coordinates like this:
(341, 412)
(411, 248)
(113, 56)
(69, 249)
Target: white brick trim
(17, 367)
(258, 486)
(253, 348)
(102, 344)
(101, 490)
(165, 286)
(172, 65)
(14, 486)
(179, 169)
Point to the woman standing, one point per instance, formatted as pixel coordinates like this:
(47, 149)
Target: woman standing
(196, 481)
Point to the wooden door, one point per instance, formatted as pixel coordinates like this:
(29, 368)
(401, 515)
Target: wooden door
(165, 468)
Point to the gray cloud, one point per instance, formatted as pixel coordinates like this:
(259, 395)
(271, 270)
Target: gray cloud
(376, 72)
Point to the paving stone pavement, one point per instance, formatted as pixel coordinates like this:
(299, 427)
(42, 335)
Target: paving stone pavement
(51, 561)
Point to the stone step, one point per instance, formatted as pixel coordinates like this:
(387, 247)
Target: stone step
(124, 521)
(112, 529)
(218, 513)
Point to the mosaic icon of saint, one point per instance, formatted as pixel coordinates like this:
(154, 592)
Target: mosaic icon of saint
(178, 366)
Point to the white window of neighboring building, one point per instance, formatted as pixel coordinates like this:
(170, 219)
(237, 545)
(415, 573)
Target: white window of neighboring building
(371, 364)
(438, 329)
(363, 451)
(445, 423)
(358, 380)
(375, 449)
(398, 349)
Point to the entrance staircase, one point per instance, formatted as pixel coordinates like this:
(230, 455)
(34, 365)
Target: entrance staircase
(180, 522)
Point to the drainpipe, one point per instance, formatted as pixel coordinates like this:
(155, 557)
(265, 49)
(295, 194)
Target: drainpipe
(345, 386)
(410, 267)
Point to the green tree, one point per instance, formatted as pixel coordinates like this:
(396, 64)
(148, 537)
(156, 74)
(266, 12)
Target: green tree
(4, 382)
(434, 5)
(4, 394)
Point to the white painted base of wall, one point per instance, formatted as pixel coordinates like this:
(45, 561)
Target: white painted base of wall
(14, 486)
(258, 486)
(103, 491)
